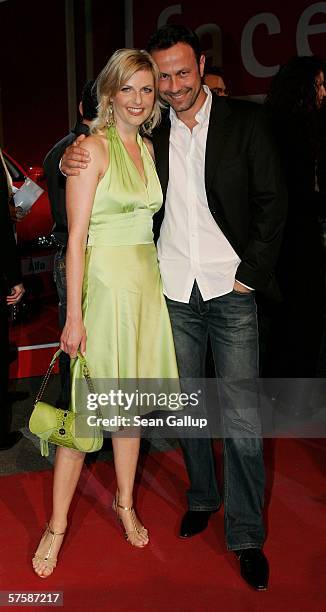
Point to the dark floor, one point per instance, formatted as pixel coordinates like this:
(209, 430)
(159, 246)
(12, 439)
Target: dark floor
(25, 456)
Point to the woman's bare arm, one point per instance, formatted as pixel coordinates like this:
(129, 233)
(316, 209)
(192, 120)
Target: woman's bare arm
(80, 192)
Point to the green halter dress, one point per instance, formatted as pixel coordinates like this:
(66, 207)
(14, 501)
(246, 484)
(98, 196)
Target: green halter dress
(128, 328)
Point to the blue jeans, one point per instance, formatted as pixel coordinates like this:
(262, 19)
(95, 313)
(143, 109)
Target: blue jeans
(231, 323)
(60, 279)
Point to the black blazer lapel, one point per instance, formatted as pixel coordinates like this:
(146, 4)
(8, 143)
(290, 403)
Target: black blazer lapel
(218, 131)
(161, 141)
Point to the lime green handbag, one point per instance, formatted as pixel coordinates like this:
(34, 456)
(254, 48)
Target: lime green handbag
(64, 427)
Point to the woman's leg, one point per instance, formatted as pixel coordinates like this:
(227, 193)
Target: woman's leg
(68, 465)
(126, 451)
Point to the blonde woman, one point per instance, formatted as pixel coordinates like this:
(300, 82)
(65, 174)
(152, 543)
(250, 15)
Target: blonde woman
(116, 312)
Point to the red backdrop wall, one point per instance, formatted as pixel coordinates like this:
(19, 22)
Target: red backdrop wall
(249, 39)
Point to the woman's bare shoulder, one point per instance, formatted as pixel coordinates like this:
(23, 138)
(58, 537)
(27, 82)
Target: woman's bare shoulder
(95, 142)
(97, 145)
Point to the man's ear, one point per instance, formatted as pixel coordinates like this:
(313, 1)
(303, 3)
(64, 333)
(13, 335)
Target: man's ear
(80, 108)
(202, 61)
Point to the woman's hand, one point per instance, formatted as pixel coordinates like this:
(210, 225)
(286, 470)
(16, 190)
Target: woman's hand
(17, 214)
(73, 338)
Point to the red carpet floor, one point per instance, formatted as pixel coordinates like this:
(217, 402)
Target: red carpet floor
(98, 570)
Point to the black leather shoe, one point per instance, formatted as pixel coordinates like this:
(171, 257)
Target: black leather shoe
(254, 568)
(10, 440)
(193, 522)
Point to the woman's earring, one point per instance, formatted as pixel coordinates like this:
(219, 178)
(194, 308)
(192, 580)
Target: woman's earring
(110, 119)
(148, 125)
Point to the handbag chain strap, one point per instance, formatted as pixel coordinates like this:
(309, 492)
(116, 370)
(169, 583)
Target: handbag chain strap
(45, 380)
(87, 377)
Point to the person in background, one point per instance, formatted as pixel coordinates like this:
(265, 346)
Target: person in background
(57, 195)
(321, 366)
(214, 78)
(294, 105)
(11, 292)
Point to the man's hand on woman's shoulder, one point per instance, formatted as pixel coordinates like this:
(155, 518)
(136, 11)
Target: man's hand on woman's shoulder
(74, 158)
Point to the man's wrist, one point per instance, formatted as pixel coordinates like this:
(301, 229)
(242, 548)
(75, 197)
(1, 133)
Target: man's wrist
(60, 168)
(237, 283)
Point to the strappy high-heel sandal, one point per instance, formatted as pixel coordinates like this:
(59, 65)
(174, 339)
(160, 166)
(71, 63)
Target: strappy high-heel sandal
(50, 562)
(132, 535)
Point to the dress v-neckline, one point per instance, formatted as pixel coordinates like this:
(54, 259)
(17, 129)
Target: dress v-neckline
(141, 145)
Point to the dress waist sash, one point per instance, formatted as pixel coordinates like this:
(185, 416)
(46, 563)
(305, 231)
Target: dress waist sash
(122, 229)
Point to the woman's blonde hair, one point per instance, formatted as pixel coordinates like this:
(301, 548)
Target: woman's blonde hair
(122, 65)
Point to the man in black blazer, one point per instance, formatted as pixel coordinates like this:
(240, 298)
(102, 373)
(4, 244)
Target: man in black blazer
(11, 291)
(218, 234)
(219, 237)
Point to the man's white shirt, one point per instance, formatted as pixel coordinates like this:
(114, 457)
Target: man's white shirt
(191, 245)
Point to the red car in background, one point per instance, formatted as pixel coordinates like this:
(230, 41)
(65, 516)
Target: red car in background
(39, 220)
(34, 245)
(34, 332)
